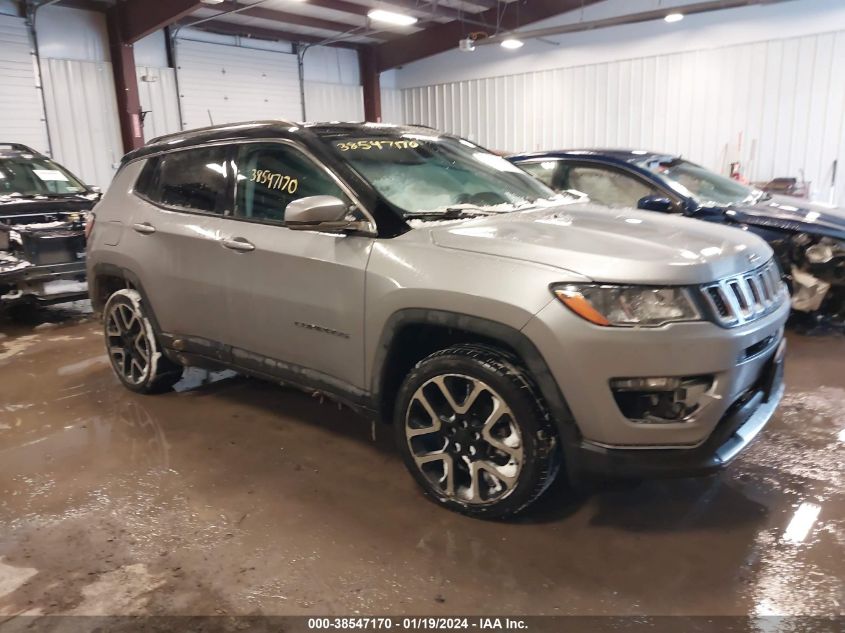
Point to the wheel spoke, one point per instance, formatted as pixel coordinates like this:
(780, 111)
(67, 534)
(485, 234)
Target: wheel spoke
(135, 365)
(112, 328)
(477, 388)
(511, 444)
(141, 346)
(435, 419)
(505, 474)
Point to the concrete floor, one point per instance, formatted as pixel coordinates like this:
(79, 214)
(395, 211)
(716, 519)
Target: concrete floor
(236, 496)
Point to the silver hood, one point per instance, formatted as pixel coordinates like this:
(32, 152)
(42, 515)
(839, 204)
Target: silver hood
(612, 245)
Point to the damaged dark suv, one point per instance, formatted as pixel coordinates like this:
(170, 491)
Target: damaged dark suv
(43, 211)
(808, 238)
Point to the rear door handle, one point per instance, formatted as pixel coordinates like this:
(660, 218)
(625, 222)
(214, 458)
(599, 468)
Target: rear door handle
(145, 228)
(238, 244)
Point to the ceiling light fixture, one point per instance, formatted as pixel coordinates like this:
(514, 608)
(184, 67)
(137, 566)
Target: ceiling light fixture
(674, 17)
(390, 17)
(512, 43)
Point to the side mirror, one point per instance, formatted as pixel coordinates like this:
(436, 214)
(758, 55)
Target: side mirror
(323, 213)
(94, 189)
(656, 203)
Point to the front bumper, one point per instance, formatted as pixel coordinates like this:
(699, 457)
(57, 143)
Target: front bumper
(735, 431)
(585, 359)
(38, 284)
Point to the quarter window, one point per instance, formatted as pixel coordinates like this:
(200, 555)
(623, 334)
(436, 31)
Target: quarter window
(271, 175)
(608, 187)
(546, 171)
(194, 179)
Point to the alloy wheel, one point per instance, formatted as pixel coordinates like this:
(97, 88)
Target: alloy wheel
(465, 439)
(128, 343)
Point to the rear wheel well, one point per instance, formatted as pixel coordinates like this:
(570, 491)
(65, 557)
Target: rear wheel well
(106, 285)
(414, 342)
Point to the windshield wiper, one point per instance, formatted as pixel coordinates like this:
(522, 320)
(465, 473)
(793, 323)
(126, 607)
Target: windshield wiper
(450, 213)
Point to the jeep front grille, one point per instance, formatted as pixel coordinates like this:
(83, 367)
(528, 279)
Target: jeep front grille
(744, 298)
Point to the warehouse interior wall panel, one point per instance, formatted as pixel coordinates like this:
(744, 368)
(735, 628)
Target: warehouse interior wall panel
(219, 83)
(22, 108)
(159, 100)
(82, 113)
(333, 102)
(328, 64)
(68, 33)
(391, 106)
(777, 107)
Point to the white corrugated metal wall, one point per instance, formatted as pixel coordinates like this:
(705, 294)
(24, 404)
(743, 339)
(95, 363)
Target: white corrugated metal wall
(159, 99)
(82, 111)
(391, 106)
(224, 84)
(777, 106)
(22, 119)
(333, 102)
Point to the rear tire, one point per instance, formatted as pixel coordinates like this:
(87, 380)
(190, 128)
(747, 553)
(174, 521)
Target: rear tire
(474, 432)
(133, 348)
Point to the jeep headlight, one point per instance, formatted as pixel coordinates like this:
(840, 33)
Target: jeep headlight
(628, 306)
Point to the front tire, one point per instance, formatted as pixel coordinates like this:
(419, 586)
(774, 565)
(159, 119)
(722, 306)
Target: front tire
(474, 433)
(132, 346)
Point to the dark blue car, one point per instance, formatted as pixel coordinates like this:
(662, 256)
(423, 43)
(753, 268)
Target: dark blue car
(808, 238)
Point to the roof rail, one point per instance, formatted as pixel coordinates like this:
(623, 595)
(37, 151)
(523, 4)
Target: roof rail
(19, 147)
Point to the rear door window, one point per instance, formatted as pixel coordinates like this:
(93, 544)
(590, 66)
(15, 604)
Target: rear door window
(193, 179)
(272, 175)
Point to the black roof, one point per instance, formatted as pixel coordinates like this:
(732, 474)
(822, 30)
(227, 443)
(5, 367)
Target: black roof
(615, 155)
(268, 129)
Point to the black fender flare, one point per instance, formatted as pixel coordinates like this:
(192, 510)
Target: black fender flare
(112, 270)
(493, 330)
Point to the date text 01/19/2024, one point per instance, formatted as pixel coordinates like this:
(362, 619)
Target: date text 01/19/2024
(417, 624)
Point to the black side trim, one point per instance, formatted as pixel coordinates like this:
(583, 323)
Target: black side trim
(206, 354)
(514, 339)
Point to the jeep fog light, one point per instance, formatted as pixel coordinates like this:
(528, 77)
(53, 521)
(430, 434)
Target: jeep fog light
(660, 400)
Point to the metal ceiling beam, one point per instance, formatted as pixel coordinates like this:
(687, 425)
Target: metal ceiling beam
(138, 18)
(429, 10)
(341, 5)
(291, 18)
(633, 18)
(274, 35)
(444, 37)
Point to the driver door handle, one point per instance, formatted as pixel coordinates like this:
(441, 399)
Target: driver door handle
(144, 228)
(238, 244)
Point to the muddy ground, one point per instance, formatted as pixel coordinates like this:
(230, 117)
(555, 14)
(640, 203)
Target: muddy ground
(233, 496)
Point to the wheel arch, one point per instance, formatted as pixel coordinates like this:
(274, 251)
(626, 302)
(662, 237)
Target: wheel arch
(409, 335)
(107, 278)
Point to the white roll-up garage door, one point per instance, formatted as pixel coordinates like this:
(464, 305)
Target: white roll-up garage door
(227, 84)
(22, 119)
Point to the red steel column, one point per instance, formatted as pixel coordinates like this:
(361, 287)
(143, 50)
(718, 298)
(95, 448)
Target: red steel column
(371, 84)
(125, 83)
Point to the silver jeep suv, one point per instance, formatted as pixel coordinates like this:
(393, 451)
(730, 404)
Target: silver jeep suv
(504, 330)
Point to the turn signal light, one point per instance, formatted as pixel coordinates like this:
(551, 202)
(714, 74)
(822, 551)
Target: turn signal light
(576, 302)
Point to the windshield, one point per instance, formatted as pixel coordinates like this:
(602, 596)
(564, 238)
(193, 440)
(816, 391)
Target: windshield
(434, 176)
(706, 187)
(22, 176)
